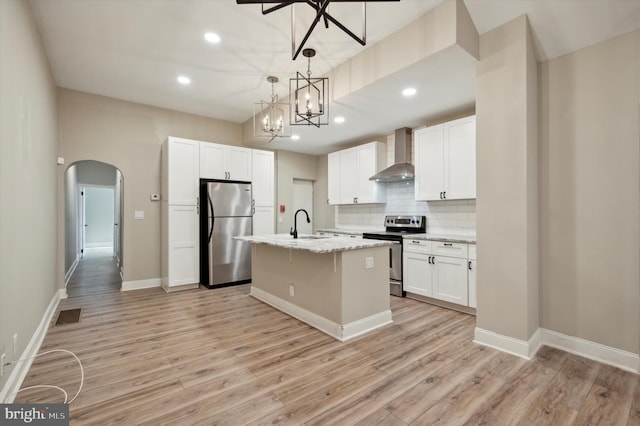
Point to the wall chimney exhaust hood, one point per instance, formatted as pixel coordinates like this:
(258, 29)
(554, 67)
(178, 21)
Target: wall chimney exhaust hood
(402, 169)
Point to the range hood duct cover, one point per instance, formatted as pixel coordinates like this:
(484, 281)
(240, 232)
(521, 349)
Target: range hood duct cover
(402, 169)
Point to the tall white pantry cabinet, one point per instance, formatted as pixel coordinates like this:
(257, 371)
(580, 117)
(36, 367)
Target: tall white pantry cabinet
(184, 162)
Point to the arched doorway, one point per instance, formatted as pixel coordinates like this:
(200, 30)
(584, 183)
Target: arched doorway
(93, 199)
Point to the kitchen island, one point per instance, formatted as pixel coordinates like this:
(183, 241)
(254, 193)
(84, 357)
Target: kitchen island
(338, 285)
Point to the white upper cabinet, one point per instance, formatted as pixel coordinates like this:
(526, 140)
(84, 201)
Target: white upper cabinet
(348, 176)
(333, 178)
(225, 162)
(180, 171)
(349, 172)
(429, 163)
(445, 161)
(372, 158)
(262, 180)
(460, 166)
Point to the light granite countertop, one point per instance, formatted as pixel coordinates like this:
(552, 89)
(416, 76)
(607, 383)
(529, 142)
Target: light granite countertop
(448, 238)
(427, 236)
(348, 231)
(314, 243)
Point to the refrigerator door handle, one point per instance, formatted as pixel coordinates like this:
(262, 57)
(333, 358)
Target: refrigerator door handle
(212, 218)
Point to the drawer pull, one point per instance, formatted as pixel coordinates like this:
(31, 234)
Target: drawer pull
(448, 244)
(415, 242)
(469, 265)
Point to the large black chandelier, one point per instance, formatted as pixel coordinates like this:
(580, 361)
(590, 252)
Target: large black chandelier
(321, 7)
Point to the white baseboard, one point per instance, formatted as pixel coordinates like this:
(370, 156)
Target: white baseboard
(71, 270)
(180, 287)
(140, 284)
(542, 337)
(340, 332)
(20, 370)
(104, 244)
(521, 348)
(606, 354)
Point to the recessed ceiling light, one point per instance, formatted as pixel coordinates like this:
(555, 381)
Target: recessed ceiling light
(183, 79)
(212, 37)
(409, 91)
(295, 137)
(339, 119)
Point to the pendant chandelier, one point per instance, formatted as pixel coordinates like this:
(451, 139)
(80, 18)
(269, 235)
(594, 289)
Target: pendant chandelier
(310, 97)
(321, 8)
(269, 117)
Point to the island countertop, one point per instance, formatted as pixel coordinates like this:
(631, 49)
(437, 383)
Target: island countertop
(313, 243)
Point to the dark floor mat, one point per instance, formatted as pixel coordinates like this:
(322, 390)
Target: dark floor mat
(68, 316)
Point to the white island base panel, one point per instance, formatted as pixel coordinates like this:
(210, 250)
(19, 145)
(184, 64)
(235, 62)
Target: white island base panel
(339, 293)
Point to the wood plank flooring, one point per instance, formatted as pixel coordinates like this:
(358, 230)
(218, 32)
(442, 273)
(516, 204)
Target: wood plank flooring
(221, 357)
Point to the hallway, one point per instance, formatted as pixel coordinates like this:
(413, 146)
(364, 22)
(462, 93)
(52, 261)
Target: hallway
(96, 273)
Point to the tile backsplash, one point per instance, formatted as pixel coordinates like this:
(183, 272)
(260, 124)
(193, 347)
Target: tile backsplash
(443, 217)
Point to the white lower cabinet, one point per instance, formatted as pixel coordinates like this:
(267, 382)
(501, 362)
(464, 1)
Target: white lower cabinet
(450, 283)
(472, 267)
(418, 270)
(181, 262)
(418, 274)
(438, 269)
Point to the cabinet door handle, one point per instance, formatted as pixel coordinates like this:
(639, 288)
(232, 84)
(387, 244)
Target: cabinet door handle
(444, 195)
(469, 265)
(328, 201)
(441, 195)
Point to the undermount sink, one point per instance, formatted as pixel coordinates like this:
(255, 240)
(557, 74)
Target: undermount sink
(311, 237)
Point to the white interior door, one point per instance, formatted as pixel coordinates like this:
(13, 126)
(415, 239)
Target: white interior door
(303, 199)
(99, 208)
(82, 220)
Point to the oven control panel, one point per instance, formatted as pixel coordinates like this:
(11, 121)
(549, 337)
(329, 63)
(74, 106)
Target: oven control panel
(416, 222)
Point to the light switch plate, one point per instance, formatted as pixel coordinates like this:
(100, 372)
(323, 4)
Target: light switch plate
(155, 197)
(138, 215)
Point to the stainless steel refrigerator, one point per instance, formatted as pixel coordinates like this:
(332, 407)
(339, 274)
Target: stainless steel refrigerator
(226, 213)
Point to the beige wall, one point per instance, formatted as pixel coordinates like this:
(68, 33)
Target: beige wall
(506, 208)
(96, 173)
(290, 166)
(71, 247)
(28, 151)
(590, 193)
(325, 214)
(128, 136)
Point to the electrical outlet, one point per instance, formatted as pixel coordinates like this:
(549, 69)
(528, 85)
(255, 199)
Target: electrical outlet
(368, 262)
(2, 358)
(15, 346)
(292, 291)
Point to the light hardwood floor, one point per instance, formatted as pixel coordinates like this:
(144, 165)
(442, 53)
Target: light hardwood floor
(222, 357)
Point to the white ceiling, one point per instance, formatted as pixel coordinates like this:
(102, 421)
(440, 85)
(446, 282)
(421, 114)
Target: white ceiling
(134, 50)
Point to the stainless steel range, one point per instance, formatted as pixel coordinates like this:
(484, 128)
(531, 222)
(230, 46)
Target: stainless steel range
(396, 227)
